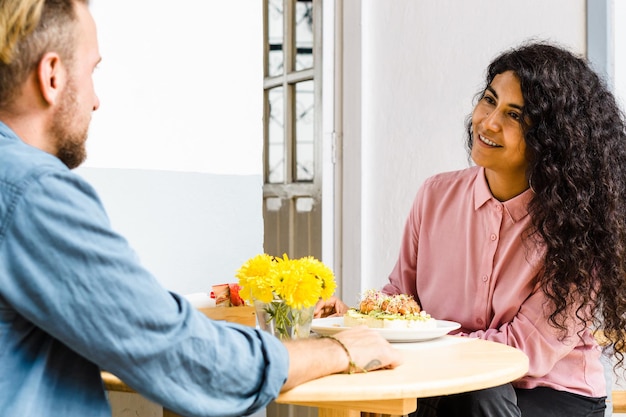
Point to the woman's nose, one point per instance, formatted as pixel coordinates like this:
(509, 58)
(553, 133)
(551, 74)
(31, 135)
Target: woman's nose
(491, 121)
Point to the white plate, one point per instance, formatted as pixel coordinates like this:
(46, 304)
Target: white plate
(331, 325)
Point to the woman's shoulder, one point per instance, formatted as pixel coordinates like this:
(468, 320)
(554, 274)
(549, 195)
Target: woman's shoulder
(450, 178)
(446, 189)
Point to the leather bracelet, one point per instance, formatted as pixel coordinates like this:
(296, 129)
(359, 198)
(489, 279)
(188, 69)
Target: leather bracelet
(352, 366)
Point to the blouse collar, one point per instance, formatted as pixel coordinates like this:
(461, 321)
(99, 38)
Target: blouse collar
(516, 207)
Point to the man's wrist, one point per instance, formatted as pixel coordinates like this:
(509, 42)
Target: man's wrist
(352, 366)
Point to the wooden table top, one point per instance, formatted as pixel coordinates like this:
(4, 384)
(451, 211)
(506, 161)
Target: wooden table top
(442, 366)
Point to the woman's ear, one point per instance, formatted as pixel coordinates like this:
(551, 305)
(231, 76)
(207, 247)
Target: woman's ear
(51, 74)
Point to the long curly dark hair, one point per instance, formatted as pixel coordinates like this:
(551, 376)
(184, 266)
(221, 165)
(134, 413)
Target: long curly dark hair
(576, 148)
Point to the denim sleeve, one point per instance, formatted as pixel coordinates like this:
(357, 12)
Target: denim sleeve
(66, 271)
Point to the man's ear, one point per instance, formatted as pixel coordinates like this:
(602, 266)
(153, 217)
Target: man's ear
(51, 74)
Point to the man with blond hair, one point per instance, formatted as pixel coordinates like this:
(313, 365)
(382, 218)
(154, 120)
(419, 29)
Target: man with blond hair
(73, 297)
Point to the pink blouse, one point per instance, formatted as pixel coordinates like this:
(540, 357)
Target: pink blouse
(463, 258)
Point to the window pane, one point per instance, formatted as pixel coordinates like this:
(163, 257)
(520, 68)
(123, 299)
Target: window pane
(275, 37)
(305, 117)
(276, 140)
(304, 34)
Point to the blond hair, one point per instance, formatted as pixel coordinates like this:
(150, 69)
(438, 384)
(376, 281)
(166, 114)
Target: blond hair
(18, 18)
(29, 29)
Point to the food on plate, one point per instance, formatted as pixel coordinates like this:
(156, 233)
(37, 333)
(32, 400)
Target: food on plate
(380, 310)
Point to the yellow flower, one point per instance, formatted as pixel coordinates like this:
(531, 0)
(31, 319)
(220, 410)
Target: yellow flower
(255, 279)
(323, 274)
(298, 282)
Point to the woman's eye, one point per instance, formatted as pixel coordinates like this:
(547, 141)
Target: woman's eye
(514, 116)
(489, 99)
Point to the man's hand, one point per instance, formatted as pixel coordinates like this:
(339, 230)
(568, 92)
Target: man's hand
(368, 349)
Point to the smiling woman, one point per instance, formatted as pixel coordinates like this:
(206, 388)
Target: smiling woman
(562, 129)
(539, 243)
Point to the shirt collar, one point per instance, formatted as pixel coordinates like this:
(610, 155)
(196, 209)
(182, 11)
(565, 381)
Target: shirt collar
(516, 207)
(6, 132)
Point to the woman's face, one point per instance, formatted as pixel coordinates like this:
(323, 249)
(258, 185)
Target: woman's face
(498, 140)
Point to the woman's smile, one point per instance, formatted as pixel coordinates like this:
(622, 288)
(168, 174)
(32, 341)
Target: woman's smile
(488, 142)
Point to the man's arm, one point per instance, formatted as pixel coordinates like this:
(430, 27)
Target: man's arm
(313, 358)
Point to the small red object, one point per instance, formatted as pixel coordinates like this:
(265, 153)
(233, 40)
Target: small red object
(235, 299)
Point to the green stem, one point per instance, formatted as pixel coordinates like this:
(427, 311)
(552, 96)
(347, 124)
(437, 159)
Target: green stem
(279, 311)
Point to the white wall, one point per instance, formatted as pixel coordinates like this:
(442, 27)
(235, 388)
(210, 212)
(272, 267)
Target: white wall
(619, 25)
(422, 63)
(175, 150)
(180, 85)
(191, 230)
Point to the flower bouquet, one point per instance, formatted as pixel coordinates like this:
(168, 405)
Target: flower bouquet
(285, 291)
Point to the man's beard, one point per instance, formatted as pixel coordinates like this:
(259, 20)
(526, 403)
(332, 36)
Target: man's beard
(69, 131)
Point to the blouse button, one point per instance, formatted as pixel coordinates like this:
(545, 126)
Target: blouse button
(485, 278)
(493, 236)
(479, 321)
(499, 207)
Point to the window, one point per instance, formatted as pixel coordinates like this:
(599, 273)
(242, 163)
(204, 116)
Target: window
(291, 191)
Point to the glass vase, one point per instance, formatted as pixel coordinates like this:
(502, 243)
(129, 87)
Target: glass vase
(284, 322)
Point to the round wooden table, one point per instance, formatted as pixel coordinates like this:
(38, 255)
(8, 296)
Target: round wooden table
(446, 365)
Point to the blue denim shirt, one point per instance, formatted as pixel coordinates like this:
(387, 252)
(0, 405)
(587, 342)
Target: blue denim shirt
(74, 300)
